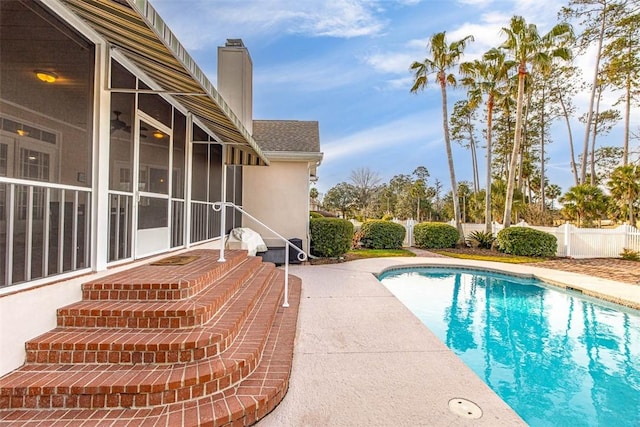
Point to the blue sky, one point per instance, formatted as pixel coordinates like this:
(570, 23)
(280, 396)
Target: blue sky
(345, 63)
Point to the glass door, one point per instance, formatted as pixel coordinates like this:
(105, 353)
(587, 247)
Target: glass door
(152, 190)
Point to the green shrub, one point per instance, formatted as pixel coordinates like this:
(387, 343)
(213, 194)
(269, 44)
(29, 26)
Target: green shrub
(330, 237)
(630, 255)
(387, 217)
(435, 235)
(480, 239)
(526, 241)
(314, 214)
(380, 234)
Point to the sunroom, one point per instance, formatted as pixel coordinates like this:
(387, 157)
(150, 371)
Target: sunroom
(114, 146)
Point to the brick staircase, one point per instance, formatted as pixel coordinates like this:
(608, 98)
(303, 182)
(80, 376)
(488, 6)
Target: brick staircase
(204, 343)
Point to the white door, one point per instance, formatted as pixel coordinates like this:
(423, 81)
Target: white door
(152, 189)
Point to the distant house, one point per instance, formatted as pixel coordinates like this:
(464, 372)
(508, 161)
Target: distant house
(114, 148)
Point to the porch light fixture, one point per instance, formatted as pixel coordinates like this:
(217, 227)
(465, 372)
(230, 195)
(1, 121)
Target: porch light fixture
(158, 135)
(46, 76)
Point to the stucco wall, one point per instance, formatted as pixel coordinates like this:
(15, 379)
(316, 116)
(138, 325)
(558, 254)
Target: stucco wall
(278, 195)
(29, 313)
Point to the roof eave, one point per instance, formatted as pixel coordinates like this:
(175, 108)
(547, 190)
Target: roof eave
(148, 42)
(295, 156)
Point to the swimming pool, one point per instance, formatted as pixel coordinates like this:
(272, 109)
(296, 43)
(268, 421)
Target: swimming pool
(557, 358)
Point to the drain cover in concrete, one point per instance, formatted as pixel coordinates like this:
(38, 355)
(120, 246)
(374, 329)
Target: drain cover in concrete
(176, 260)
(465, 408)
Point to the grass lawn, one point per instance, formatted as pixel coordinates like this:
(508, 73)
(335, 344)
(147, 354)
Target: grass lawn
(489, 256)
(377, 253)
(463, 253)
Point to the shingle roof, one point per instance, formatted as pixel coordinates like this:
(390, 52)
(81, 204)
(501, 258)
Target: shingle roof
(287, 135)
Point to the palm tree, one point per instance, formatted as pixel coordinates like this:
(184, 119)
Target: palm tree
(442, 58)
(624, 185)
(524, 44)
(583, 202)
(553, 192)
(486, 77)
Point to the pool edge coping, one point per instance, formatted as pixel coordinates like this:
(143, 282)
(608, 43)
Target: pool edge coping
(541, 276)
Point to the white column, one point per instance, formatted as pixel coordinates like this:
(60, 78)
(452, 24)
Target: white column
(223, 210)
(100, 178)
(189, 177)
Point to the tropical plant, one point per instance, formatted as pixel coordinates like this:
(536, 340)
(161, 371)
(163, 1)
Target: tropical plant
(481, 239)
(630, 255)
(624, 185)
(583, 203)
(524, 44)
(443, 57)
(486, 77)
(553, 192)
(313, 193)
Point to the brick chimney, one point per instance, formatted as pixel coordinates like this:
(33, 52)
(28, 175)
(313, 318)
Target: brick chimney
(235, 80)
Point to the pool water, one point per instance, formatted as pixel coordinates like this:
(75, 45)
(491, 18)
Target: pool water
(557, 358)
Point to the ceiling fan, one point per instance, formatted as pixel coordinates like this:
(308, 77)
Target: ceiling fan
(118, 124)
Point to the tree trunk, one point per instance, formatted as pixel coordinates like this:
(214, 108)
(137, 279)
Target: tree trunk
(452, 172)
(542, 201)
(592, 179)
(487, 198)
(474, 157)
(522, 72)
(474, 163)
(585, 143)
(627, 114)
(570, 134)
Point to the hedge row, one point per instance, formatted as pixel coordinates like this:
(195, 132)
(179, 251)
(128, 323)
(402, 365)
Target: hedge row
(330, 237)
(526, 241)
(435, 235)
(380, 234)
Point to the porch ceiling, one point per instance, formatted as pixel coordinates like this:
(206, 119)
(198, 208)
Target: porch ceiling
(141, 35)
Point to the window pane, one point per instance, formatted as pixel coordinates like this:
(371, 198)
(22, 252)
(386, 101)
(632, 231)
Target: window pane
(46, 113)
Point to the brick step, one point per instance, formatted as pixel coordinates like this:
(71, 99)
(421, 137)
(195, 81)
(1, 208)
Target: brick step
(254, 397)
(138, 386)
(189, 312)
(164, 282)
(134, 346)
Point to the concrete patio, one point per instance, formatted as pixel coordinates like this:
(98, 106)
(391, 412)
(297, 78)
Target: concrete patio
(361, 358)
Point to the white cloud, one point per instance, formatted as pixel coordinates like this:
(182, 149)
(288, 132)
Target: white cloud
(478, 3)
(391, 62)
(314, 18)
(405, 130)
(403, 83)
(485, 29)
(315, 75)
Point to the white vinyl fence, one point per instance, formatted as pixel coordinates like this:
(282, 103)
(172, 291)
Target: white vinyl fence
(573, 242)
